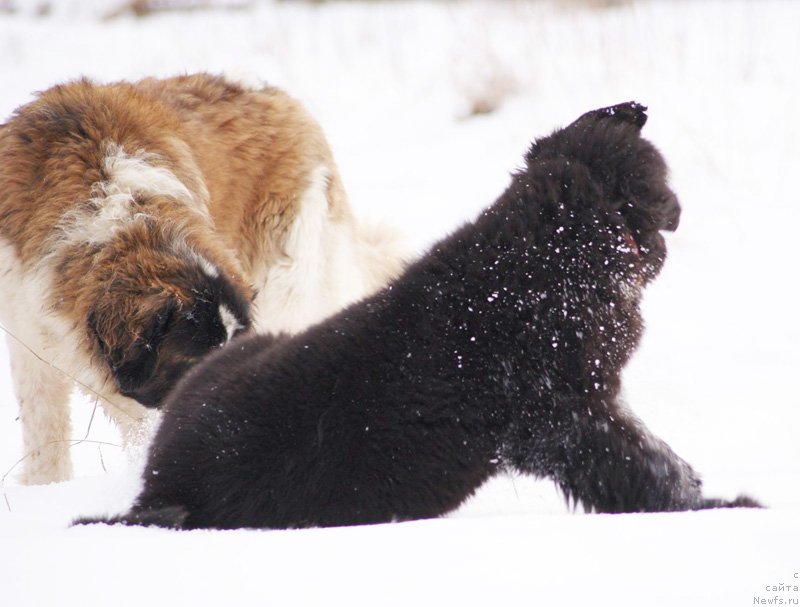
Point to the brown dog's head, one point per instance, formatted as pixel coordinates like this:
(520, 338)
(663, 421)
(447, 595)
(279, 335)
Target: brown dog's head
(160, 312)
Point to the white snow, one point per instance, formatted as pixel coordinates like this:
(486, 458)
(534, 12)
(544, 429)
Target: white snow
(393, 84)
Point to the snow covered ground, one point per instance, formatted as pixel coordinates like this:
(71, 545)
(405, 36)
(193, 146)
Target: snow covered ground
(395, 85)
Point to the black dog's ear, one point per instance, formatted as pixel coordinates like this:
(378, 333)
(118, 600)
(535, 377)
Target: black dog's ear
(582, 139)
(129, 346)
(630, 112)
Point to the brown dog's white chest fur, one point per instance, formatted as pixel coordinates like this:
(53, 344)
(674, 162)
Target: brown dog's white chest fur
(137, 224)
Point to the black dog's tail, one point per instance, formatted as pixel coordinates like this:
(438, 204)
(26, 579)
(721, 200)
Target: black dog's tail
(741, 501)
(171, 517)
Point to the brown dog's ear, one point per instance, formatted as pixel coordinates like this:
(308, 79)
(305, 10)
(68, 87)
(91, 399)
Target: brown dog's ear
(129, 345)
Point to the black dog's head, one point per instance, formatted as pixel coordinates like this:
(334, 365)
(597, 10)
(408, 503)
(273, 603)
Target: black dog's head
(155, 319)
(629, 170)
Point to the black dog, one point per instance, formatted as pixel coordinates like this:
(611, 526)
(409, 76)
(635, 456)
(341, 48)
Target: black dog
(500, 349)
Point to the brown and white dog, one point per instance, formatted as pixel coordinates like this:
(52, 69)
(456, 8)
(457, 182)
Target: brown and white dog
(139, 221)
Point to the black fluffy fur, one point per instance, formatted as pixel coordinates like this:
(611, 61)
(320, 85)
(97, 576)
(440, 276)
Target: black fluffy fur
(500, 349)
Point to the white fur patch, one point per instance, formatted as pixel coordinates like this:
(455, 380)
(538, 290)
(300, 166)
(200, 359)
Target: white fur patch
(229, 321)
(317, 274)
(182, 248)
(114, 206)
(42, 396)
(139, 174)
(46, 360)
(207, 266)
(326, 265)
